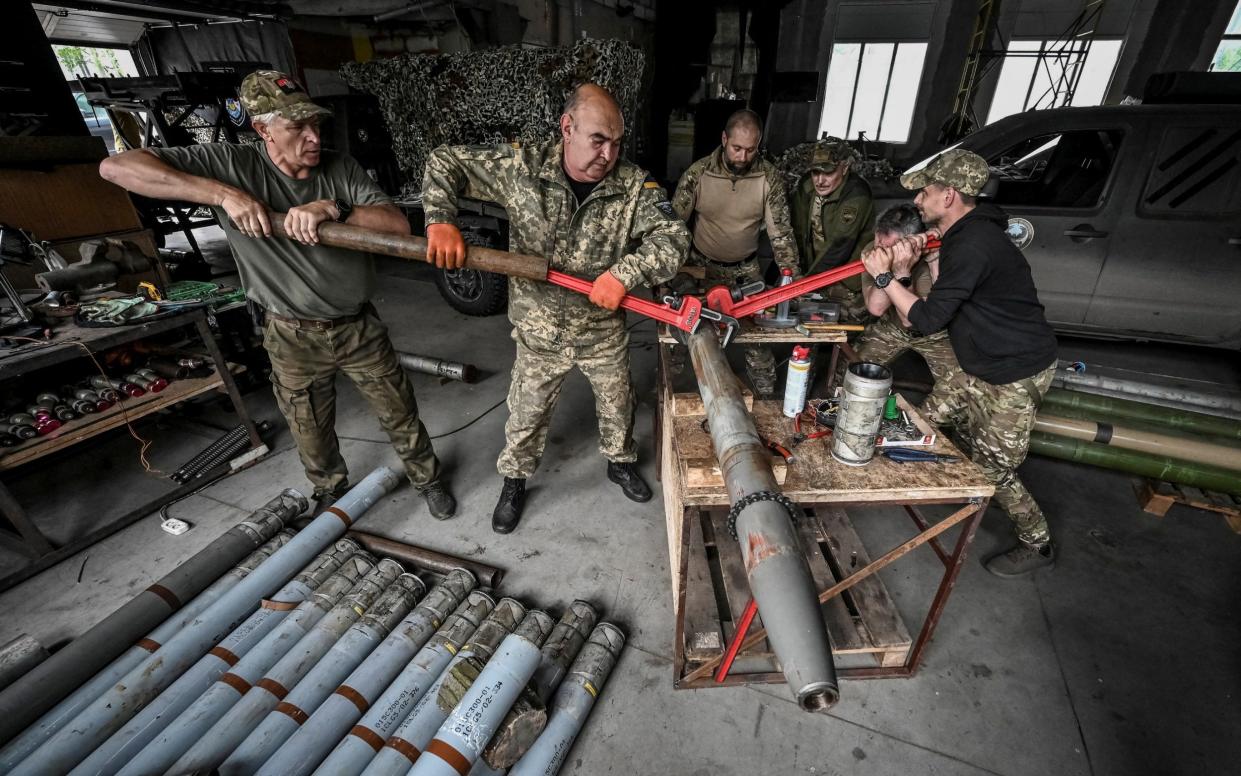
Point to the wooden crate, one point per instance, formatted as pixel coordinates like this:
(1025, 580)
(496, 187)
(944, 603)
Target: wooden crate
(863, 624)
(1157, 498)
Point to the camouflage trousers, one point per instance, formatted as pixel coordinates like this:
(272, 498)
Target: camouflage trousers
(304, 365)
(995, 423)
(539, 372)
(884, 341)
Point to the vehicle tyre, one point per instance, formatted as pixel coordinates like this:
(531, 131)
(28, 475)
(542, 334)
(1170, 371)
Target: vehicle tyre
(471, 291)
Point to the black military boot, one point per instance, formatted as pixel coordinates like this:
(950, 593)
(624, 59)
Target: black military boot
(626, 475)
(508, 509)
(439, 501)
(324, 499)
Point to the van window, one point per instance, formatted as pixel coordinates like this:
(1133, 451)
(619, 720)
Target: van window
(1058, 169)
(1197, 171)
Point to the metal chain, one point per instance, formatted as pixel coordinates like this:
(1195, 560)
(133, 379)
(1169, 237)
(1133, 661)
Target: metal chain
(762, 495)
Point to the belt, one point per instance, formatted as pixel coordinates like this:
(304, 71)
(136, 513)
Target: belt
(738, 262)
(320, 324)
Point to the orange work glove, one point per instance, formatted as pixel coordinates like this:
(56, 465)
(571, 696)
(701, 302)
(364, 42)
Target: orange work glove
(607, 292)
(445, 246)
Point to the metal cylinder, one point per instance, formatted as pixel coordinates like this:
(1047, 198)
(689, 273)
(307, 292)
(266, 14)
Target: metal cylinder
(525, 720)
(314, 688)
(125, 744)
(60, 714)
(193, 723)
(366, 738)
(312, 742)
(573, 703)
(18, 656)
(111, 710)
(423, 558)
(1095, 406)
(36, 692)
(1140, 441)
(775, 564)
(437, 367)
(1141, 464)
(232, 729)
(866, 389)
(415, 732)
(484, 700)
(1205, 399)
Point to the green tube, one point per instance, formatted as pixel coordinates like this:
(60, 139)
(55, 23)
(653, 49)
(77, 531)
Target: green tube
(1162, 417)
(1154, 466)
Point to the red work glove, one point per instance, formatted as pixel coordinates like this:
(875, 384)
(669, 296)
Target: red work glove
(607, 292)
(445, 246)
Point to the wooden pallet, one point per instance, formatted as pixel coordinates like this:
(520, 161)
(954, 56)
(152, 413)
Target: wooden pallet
(863, 624)
(1157, 498)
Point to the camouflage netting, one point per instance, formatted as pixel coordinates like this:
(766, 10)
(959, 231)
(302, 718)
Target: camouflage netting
(494, 96)
(795, 162)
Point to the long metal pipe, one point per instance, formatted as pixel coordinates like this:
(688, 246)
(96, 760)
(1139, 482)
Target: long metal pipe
(423, 558)
(193, 723)
(1094, 405)
(415, 732)
(110, 711)
(437, 367)
(1140, 441)
(528, 715)
(573, 703)
(230, 730)
(1206, 401)
(125, 744)
(415, 248)
(305, 698)
(48, 683)
(481, 704)
(59, 715)
(365, 739)
(18, 656)
(1141, 464)
(312, 742)
(779, 577)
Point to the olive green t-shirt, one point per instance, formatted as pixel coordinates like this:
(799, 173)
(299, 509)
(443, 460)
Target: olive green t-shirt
(284, 276)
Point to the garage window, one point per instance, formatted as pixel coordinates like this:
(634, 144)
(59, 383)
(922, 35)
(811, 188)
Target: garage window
(872, 88)
(1058, 169)
(1035, 71)
(1228, 55)
(1197, 170)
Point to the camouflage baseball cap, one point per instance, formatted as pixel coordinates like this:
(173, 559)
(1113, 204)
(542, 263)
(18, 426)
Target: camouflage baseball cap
(963, 170)
(270, 91)
(829, 153)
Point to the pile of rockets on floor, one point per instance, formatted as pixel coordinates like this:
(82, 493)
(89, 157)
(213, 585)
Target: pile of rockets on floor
(313, 656)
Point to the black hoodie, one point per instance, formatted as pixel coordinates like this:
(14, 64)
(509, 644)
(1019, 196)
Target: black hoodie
(985, 297)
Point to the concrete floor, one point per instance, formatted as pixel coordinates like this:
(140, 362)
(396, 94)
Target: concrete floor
(1121, 660)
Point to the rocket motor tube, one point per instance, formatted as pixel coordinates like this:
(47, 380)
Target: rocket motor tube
(866, 389)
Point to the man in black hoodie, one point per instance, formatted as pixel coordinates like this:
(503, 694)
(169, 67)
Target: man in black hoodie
(985, 297)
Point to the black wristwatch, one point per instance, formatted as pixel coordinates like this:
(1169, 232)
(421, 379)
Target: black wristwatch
(343, 209)
(906, 282)
(883, 279)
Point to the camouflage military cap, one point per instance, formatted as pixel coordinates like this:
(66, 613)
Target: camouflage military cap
(829, 153)
(270, 91)
(963, 170)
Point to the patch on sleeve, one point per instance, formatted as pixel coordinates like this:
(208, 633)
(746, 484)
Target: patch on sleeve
(665, 207)
(650, 185)
(848, 214)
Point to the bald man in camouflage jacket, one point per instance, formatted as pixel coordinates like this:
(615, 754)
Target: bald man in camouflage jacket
(591, 214)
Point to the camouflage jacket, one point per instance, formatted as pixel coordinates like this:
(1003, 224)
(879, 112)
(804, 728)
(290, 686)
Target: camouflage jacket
(725, 210)
(848, 215)
(626, 224)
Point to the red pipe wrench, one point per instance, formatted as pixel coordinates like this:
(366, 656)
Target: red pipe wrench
(680, 312)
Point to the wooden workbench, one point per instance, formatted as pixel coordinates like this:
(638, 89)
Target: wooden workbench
(709, 587)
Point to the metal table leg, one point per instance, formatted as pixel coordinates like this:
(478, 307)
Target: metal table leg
(32, 542)
(230, 385)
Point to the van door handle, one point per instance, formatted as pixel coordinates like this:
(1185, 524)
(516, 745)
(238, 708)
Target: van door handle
(1084, 232)
(1234, 241)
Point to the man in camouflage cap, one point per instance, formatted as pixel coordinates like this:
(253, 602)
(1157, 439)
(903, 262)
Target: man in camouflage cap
(985, 297)
(833, 214)
(593, 215)
(319, 319)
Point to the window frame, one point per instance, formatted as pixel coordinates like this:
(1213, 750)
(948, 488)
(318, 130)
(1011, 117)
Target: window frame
(1035, 72)
(887, 86)
(1228, 37)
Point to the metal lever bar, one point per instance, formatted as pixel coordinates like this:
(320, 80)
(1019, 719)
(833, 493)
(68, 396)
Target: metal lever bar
(685, 315)
(720, 298)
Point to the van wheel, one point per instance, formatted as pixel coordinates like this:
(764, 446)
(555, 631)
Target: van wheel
(471, 291)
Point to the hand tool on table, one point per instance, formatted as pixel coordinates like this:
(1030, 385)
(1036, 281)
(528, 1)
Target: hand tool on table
(911, 455)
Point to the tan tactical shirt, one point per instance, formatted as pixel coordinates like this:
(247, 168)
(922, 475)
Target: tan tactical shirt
(726, 210)
(625, 224)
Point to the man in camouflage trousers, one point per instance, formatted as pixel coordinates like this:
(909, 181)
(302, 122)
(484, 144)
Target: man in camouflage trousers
(832, 214)
(591, 214)
(985, 296)
(726, 198)
(319, 319)
(890, 335)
